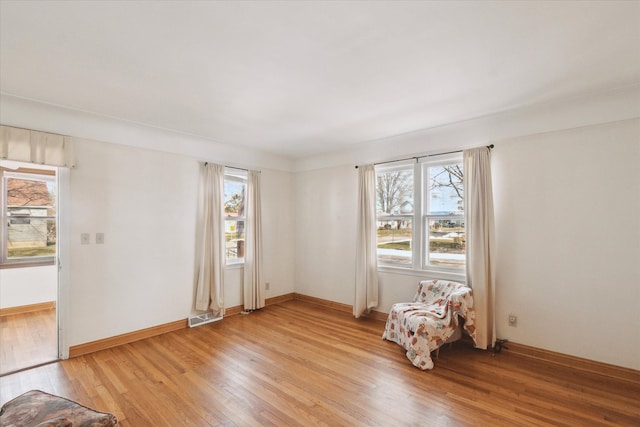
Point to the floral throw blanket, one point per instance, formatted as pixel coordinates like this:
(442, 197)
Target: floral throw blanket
(36, 408)
(430, 320)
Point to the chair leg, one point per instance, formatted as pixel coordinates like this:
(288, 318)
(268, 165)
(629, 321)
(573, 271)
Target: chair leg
(437, 352)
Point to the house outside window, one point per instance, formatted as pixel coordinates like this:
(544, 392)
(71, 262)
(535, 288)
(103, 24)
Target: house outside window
(395, 214)
(235, 186)
(29, 216)
(420, 214)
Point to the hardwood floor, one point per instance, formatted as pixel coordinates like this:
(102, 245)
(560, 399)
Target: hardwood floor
(27, 339)
(297, 363)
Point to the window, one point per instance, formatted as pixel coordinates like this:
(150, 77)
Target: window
(444, 215)
(29, 220)
(420, 214)
(235, 185)
(394, 208)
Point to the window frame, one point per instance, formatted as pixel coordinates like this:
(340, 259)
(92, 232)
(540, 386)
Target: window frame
(36, 173)
(240, 176)
(421, 216)
(429, 162)
(400, 166)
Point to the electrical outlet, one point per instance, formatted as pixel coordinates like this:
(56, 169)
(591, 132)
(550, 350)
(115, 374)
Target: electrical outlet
(513, 320)
(267, 286)
(84, 239)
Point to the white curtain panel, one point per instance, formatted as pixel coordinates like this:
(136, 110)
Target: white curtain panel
(480, 238)
(366, 296)
(211, 251)
(253, 291)
(24, 145)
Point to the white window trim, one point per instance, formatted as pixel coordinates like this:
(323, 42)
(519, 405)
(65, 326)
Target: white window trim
(459, 276)
(6, 263)
(397, 166)
(237, 175)
(425, 163)
(419, 241)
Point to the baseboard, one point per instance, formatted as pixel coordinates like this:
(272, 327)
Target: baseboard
(103, 344)
(232, 311)
(29, 308)
(324, 302)
(377, 315)
(279, 299)
(575, 362)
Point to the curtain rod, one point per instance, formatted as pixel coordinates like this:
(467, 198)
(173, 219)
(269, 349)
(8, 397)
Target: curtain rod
(233, 167)
(422, 157)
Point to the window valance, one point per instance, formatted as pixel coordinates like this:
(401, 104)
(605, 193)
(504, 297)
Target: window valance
(24, 145)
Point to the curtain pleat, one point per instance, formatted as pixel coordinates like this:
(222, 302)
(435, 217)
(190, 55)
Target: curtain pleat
(211, 260)
(253, 291)
(480, 237)
(23, 145)
(366, 286)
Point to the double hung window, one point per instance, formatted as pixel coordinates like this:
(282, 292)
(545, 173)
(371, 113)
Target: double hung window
(235, 186)
(420, 214)
(395, 215)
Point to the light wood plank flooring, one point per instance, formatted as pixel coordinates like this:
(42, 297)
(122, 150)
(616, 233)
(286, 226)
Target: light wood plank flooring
(27, 339)
(297, 363)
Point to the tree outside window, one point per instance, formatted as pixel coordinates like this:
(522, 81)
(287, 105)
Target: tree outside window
(420, 214)
(394, 206)
(444, 216)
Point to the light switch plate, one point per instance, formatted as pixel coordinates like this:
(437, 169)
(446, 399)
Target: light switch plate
(84, 239)
(100, 238)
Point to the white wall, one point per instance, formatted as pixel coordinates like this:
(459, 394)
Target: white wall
(325, 204)
(567, 210)
(278, 232)
(144, 202)
(568, 236)
(278, 225)
(29, 285)
(139, 188)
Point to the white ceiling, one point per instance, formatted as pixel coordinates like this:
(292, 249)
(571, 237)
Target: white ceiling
(302, 78)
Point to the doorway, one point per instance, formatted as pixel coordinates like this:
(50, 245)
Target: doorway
(28, 265)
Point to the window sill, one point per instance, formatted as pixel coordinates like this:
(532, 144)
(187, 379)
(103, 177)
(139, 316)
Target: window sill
(235, 266)
(423, 274)
(24, 264)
